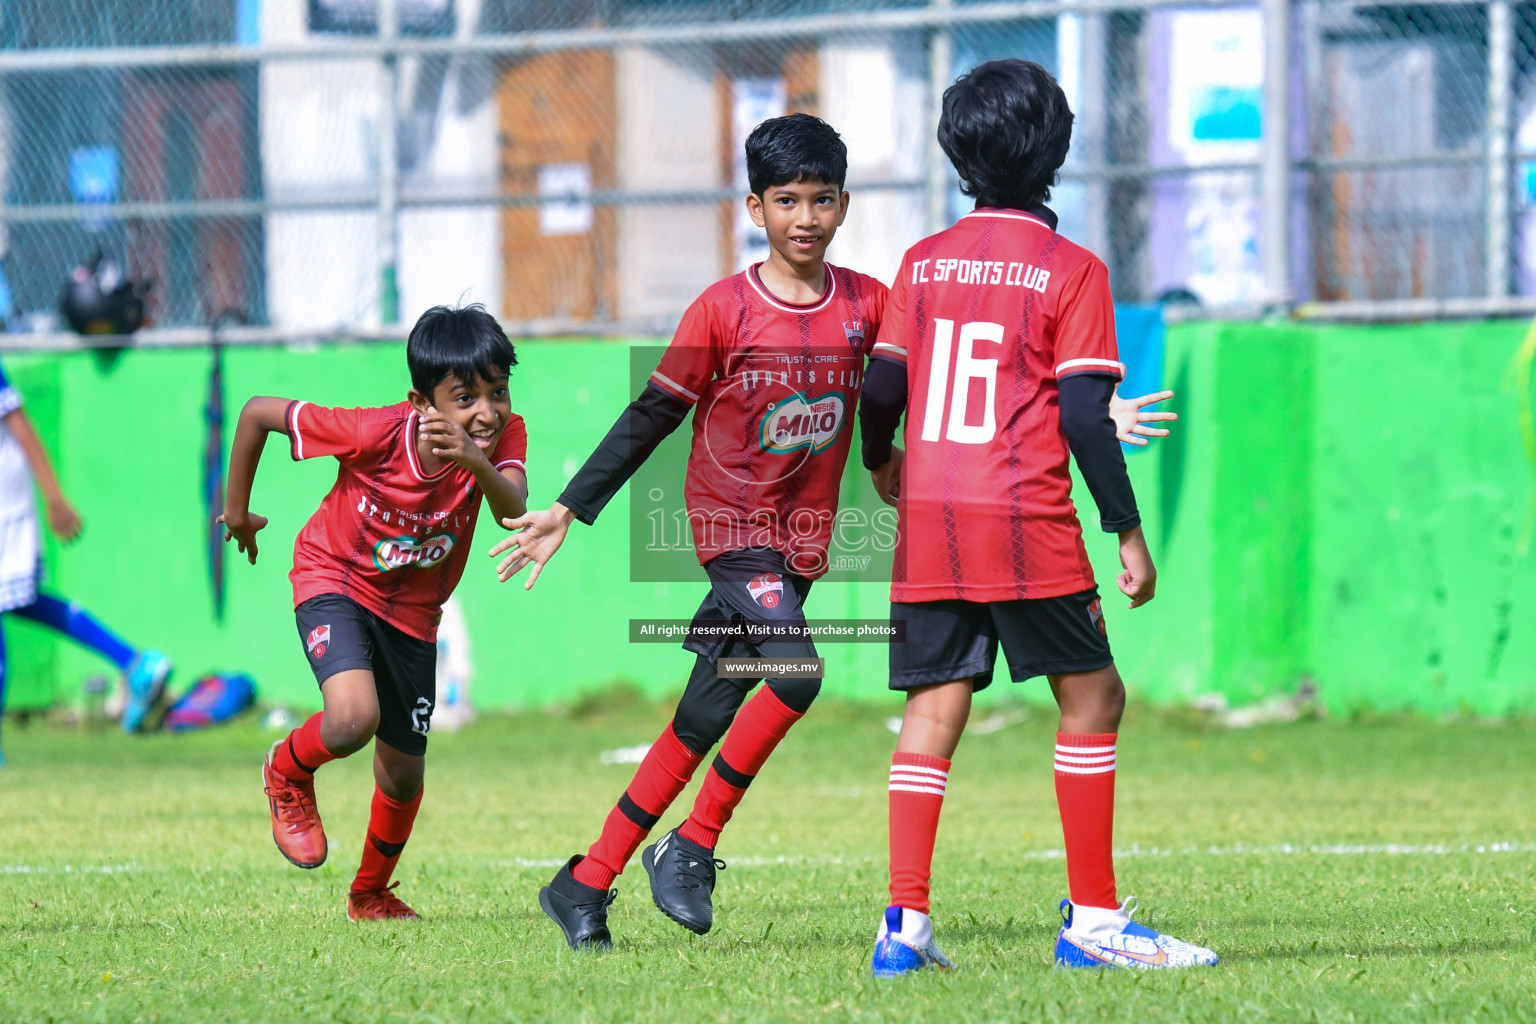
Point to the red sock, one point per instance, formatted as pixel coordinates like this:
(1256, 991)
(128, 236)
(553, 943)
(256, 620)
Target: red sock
(298, 757)
(917, 789)
(664, 773)
(1085, 795)
(389, 826)
(759, 726)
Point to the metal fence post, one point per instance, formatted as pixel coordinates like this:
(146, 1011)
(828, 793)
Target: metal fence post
(1501, 43)
(1093, 119)
(389, 73)
(941, 61)
(1276, 173)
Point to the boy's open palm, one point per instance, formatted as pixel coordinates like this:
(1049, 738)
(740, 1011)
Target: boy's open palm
(242, 530)
(1131, 417)
(540, 536)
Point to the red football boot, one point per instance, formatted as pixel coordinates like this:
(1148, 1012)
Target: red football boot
(378, 905)
(296, 827)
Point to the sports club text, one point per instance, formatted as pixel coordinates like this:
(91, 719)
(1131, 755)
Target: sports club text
(1014, 275)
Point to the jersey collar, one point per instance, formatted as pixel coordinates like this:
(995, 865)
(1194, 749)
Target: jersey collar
(789, 307)
(1037, 214)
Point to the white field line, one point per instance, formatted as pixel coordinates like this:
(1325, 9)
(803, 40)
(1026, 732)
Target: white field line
(67, 869)
(1137, 851)
(1131, 852)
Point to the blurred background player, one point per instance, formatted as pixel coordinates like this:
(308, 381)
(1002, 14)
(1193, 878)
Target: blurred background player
(373, 566)
(23, 462)
(1002, 333)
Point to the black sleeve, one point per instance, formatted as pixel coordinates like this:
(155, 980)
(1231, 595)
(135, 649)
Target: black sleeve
(881, 403)
(1091, 435)
(634, 436)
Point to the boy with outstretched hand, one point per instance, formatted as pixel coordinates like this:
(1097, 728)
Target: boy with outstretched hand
(770, 362)
(999, 344)
(373, 566)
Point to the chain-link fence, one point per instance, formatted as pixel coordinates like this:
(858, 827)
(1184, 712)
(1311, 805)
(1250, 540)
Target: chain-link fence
(334, 166)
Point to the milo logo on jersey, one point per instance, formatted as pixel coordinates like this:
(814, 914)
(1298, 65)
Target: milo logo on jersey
(399, 552)
(799, 422)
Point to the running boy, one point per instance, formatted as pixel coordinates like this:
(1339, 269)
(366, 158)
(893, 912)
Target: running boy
(772, 358)
(23, 463)
(1002, 333)
(373, 566)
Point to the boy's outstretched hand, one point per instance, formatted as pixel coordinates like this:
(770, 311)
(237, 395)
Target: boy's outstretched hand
(540, 536)
(242, 530)
(448, 440)
(1129, 417)
(1139, 580)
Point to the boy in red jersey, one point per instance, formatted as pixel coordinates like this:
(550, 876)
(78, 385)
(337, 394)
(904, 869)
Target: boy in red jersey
(1002, 333)
(770, 360)
(373, 566)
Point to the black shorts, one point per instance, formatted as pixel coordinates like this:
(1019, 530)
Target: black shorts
(751, 585)
(950, 640)
(340, 634)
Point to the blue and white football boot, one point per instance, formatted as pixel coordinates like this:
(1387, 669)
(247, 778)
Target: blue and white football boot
(905, 944)
(147, 674)
(1098, 937)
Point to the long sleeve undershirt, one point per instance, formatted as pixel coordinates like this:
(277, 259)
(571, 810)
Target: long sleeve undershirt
(643, 425)
(1084, 407)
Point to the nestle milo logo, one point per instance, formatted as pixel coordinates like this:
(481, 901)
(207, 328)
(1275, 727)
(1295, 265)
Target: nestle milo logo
(800, 422)
(399, 552)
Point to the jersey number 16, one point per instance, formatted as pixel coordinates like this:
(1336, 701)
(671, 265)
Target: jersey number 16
(945, 380)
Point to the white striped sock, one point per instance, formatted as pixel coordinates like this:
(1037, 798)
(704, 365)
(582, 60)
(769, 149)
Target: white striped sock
(916, 778)
(1073, 760)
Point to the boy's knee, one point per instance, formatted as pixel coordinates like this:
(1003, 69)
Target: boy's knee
(345, 731)
(796, 694)
(698, 724)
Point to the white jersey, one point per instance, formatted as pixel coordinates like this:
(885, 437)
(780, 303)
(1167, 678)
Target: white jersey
(18, 513)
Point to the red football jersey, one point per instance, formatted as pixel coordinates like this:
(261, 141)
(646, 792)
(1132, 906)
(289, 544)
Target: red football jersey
(775, 385)
(388, 536)
(988, 316)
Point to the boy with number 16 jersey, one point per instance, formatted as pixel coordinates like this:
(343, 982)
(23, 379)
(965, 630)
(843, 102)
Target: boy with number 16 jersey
(1001, 335)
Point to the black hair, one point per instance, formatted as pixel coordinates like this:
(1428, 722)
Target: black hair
(467, 343)
(796, 147)
(1006, 127)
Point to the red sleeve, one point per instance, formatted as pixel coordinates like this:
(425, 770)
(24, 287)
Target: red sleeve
(314, 430)
(512, 447)
(878, 297)
(693, 358)
(1085, 325)
(891, 341)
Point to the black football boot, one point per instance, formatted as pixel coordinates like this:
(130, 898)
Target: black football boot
(682, 880)
(580, 910)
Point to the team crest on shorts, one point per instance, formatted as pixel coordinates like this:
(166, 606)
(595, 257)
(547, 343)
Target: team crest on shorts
(765, 589)
(1096, 615)
(317, 640)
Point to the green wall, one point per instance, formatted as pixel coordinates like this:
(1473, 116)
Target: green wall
(1347, 504)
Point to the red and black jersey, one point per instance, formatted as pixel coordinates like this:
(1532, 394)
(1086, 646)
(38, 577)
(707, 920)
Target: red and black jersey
(988, 317)
(388, 536)
(775, 386)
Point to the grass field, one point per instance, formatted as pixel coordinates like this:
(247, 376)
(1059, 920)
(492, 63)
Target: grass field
(1345, 871)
